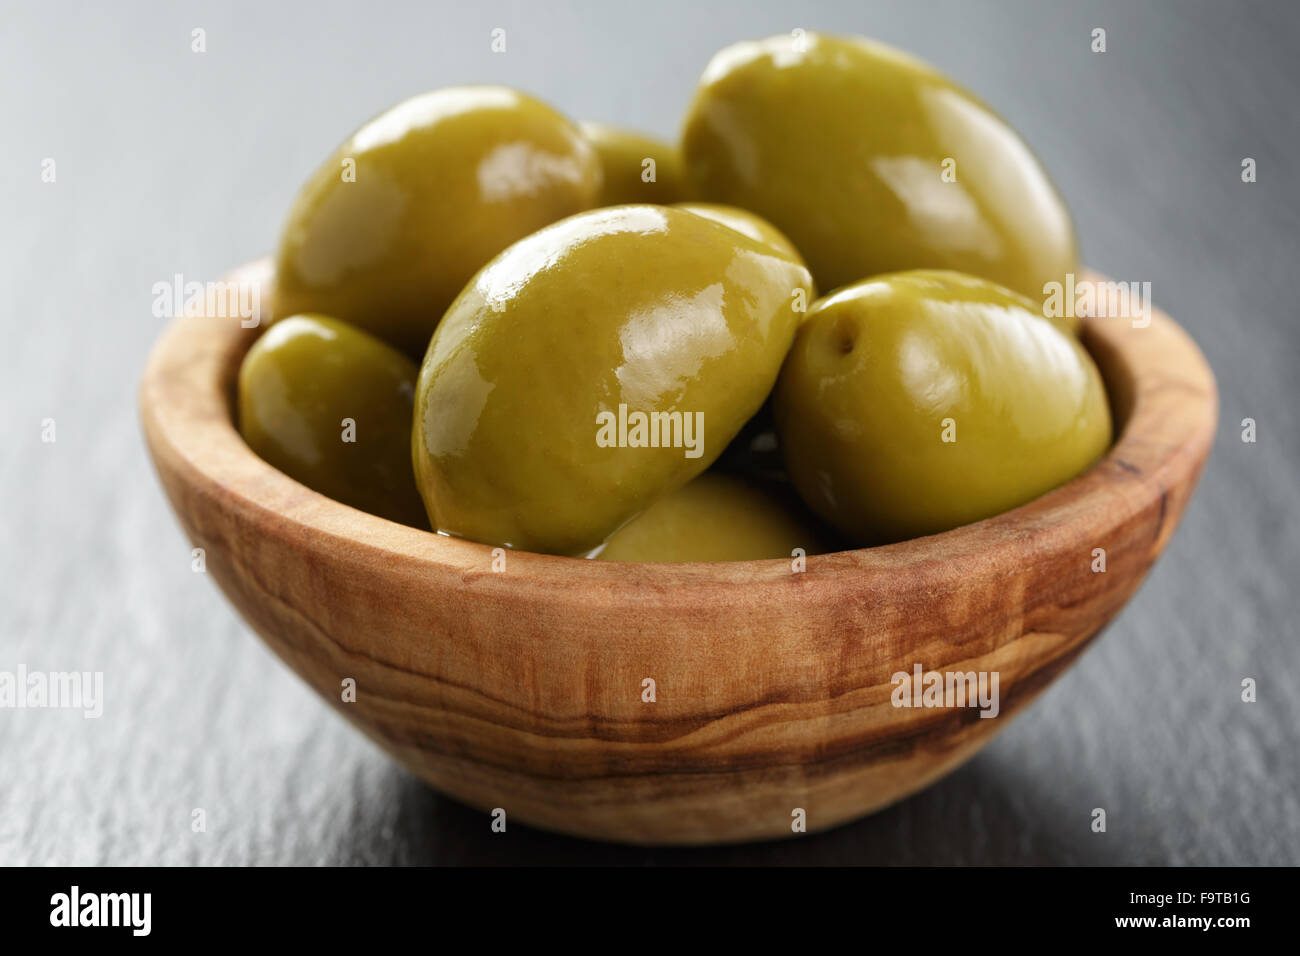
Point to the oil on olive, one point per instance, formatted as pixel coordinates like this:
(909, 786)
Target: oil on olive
(916, 402)
(716, 517)
(331, 407)
(392, 225)
(873, 162)
(626, 172)
(594, 367)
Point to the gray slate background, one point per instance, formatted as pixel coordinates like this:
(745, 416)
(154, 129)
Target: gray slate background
(170, 161)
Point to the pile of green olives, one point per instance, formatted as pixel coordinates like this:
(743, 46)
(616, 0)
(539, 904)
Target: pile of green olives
(814, 324)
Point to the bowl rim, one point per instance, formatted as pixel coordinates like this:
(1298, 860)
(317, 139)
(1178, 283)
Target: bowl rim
(186, 405)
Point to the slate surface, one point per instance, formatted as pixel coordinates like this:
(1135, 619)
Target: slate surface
(170, 161)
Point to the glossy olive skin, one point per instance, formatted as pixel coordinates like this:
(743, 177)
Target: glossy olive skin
(754, 452)
(623, 154)
(518, 424)
(841, 143)
(743, 221)
(297, 384)
(716, 517)
(443, 182)
(883, 371)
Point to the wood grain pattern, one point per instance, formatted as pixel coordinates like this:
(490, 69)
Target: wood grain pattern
(521, 689)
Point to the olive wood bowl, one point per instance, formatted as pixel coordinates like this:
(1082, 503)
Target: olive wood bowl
(522, 688)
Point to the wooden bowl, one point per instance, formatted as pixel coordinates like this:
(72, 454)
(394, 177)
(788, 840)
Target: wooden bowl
(522, 688)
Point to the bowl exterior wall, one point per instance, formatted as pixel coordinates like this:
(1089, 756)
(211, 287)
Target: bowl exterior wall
(676, 704)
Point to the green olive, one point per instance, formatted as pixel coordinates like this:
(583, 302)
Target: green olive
(394, 223)
(872, 162)
(756, 227)
(754, 452)
(594, 367)
(331, 407)
(916, 402)
(716, 517)
(637, 168)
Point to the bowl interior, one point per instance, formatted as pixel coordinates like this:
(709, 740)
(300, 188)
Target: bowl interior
(1120, 366)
